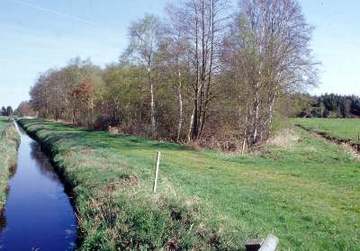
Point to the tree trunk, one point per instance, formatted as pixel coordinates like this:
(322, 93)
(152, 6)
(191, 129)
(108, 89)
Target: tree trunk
(191, 126)
(74, 116)
(211, 58)
(180, 108)
(243, 146)
(193, 131)
(270, 115)
(257, 115)
(152, 104)
(202, 88)
(194, 122)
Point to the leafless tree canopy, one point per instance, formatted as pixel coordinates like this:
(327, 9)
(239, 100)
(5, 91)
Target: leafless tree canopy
(204, 74)
(267, 53)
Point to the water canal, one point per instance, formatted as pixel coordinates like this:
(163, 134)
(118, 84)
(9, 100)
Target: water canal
(38, 213)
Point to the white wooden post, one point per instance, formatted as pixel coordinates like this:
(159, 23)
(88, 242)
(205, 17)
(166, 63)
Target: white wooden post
(157, 165)
(270, 243)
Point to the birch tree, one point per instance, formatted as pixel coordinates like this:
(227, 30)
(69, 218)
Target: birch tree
(202, 23)
(174, 61)
(270, 46)
(144, 43)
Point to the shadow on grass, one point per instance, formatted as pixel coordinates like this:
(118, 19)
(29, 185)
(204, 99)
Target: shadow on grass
(52, 132)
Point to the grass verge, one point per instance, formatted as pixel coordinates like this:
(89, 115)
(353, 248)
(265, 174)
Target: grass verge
(305, 191)
(9, 142)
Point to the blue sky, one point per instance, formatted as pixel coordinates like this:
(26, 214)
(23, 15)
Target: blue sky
(36, 35)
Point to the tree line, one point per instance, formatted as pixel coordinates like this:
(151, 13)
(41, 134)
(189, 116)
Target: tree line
(204, 73)
(6, 111)
(330, 106)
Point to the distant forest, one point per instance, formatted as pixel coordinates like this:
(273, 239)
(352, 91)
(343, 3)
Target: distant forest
(329, 106)
(6, 111)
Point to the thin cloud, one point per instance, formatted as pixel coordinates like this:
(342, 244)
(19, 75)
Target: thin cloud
(54, 12)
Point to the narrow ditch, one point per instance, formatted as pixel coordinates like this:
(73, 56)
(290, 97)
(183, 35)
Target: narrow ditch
(354, 146)
(38, 213)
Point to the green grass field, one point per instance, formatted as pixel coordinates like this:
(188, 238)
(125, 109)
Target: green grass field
(347, 129)
(300, 188)
(9, 140)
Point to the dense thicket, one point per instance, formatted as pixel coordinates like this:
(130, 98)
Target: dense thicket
(202, 74)
(25, 110)
(329, 106)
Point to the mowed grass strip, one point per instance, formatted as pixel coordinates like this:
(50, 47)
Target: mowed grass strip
(305, 191)
(345, 129)
(9, 141)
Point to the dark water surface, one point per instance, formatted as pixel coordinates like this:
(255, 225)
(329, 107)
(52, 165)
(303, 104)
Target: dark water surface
(38, 213)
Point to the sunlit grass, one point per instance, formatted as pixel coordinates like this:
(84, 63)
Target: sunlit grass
(339, 128)
(307, 194)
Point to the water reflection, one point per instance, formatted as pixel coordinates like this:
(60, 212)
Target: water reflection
(45, 166)
(2, 211)
(2, 220)
(13, 170)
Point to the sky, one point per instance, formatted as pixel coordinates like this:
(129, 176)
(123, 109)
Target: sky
(36, 35)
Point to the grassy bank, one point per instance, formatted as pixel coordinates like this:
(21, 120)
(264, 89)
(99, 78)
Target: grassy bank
(344, 129)
(302, 189)
(9, 141)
